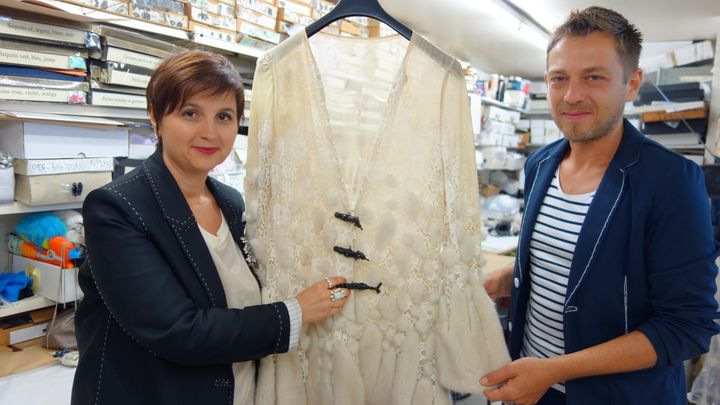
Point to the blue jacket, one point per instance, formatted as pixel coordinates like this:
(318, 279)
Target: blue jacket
(644, 261)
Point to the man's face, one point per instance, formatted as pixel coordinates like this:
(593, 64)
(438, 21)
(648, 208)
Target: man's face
(586, 87)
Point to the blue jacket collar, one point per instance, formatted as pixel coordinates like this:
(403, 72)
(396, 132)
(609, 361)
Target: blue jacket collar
(628, 152)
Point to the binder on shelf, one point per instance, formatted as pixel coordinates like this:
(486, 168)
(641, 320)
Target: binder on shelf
(111, 73)
(130, 40)
(673, 140)
(26, 54)
(38, 73)
(46, 33)
(114, 99)
(39, 83)
(39, 94)
(132, 58)
(675, 127)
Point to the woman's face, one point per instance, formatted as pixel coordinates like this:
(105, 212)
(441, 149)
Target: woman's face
(200, 134)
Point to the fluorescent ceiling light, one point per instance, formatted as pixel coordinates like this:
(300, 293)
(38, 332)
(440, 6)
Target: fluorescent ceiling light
(513, 16)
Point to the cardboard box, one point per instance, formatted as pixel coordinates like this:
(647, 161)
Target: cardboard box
(205, 31)
(48, 140)
(58, 188)
(268, 9)
(121, 7)
(215, 7)
(161, 17)
(256, 31)
(213, 20)
(56, 283)
(256, 18)
(39, 167)
(7, 185)
(296, 6)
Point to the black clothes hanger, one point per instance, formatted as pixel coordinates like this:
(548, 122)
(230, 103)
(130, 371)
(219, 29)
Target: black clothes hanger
(358, 8)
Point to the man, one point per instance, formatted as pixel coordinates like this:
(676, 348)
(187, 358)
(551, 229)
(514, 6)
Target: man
(613, 285)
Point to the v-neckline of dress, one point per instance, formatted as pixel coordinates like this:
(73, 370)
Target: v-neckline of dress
(319, 93)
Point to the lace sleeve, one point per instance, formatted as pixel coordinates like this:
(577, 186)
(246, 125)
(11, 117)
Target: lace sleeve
(470, 341)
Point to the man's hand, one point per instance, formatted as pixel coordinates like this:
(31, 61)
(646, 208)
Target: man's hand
(522, 382)
(498, 283)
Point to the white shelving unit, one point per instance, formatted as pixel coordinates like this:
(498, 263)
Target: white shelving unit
(490, 101)
(25, 305)
(73, 109)
(20, 208)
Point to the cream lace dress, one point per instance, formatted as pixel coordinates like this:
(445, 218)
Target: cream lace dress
(379, 129)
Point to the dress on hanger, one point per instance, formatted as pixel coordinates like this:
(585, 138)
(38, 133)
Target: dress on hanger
(378, 129)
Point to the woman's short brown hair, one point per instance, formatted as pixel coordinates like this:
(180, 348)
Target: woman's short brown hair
(186, 74)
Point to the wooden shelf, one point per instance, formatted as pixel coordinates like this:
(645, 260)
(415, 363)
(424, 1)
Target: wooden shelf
(20, 208)
(25, 305)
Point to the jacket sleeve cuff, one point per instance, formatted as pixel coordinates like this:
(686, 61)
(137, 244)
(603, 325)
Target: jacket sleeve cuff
(653, 336)
(295, 314)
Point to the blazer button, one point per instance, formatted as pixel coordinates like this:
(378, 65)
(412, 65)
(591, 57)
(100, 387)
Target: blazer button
(517, 282)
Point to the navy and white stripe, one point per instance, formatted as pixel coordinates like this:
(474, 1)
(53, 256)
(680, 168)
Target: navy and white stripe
(552, 246)
(295, 313)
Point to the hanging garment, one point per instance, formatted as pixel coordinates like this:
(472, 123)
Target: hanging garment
(378, 129)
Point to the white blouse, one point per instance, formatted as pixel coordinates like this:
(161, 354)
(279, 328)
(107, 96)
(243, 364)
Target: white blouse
(241, 290)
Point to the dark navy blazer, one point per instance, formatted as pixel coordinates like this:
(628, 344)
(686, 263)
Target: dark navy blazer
(644, 261)
(153, 327)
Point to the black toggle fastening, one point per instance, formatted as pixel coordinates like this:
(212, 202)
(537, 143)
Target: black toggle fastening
(355, 254)
(359, 286)
(349, 218)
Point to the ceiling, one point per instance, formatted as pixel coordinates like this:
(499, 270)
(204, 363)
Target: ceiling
(478, 32)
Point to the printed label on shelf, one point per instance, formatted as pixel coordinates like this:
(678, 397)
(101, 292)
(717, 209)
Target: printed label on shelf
(30, 94)
(118, 100)
(35, 167)
(127, 78)
(39, 59)
(41, 31)
(132, 58)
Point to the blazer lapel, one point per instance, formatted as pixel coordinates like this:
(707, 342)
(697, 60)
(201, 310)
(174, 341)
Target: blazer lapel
(542, 177)
(177, 213)
(607, 198)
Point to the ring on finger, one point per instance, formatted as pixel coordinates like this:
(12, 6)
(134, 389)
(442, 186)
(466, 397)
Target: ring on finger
(329, 283)
(337, 294)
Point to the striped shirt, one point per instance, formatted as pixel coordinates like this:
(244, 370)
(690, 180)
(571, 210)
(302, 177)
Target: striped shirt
(552, 246)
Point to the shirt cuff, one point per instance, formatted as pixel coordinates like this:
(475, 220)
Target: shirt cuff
(295, 314)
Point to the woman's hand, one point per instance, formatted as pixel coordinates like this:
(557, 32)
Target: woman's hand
(317, 303)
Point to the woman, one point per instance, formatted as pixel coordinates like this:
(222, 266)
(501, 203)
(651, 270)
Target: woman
(172, 312)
